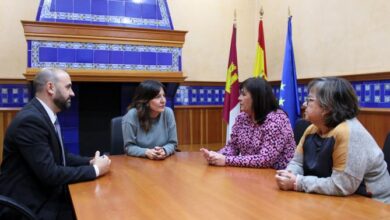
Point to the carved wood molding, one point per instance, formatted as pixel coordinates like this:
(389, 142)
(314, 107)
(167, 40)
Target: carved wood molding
(54, 31)
(376, 110)
(10, 109)
(93, 75)
(203, 83)
(198, 106)
(13, 81)
(349, 77)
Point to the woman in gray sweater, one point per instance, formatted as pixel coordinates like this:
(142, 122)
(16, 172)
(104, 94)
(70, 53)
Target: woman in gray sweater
(149, 127)
(336, 155)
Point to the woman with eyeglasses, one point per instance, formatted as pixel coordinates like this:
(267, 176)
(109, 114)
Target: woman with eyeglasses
(149, 127)
(261, 135)
(336, 155)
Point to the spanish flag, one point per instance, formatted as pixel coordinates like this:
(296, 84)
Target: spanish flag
(260, 69)
(231, 107)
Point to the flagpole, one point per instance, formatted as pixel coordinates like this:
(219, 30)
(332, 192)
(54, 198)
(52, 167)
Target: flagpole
(235, 17)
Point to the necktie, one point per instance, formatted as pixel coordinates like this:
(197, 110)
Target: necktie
(58, 131)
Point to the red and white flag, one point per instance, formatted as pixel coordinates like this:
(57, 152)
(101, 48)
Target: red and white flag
(231, 107)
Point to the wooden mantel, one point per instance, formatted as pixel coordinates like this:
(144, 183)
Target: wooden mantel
(114, 75)
(54, 31)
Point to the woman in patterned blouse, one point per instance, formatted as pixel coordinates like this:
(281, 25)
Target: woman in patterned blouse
(261, 136)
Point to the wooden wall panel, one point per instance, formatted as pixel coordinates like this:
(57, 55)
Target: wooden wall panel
(214, 126)
(6, 116)
(184, 131)
(377, 122)
(199, 126)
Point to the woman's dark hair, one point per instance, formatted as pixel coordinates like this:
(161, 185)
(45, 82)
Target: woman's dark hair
(146, 91)
(337, 96)
(263, 99)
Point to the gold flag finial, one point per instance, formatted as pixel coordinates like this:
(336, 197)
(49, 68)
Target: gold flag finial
(261, 12)
(289, 12)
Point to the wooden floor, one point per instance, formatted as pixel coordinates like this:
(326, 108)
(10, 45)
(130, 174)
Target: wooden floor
(184, 186)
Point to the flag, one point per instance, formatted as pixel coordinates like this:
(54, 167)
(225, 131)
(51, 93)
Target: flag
(260, 68)
(288, 99)
(231, 107)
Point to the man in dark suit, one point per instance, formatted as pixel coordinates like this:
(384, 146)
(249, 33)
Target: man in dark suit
(36, 170)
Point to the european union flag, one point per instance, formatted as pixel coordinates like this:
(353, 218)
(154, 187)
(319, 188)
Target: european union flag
(288, 99)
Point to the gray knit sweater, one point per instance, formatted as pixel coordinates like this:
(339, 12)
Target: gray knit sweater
(356, 158)
(162, 133)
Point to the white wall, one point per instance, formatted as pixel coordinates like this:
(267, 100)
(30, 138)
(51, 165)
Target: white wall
(13, 46)
(209, 24)
(330, 37)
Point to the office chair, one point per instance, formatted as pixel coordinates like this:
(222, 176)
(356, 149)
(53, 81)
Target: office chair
(386, 151)
(116, 136)
(300, 127)
(14, 209)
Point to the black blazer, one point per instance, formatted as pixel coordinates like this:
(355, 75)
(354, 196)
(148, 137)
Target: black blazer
(32, 172)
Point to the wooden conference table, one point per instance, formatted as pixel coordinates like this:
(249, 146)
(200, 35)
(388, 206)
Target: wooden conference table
(184, 187)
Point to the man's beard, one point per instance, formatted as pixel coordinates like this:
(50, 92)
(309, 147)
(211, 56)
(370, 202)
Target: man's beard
(61, 103)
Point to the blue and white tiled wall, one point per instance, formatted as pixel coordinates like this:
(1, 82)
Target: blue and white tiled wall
(371, 94)
(75, 55)
(14, 95)
(79, 55)
(200, 95)
(129, 13)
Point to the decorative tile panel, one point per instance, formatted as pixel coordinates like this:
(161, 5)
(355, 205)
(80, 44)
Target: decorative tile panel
(371, 94)
(14, 95)
(76, 55)
(130, 13)
(200, 95)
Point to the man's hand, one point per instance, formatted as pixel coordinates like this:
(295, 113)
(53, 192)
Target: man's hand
(102, 162)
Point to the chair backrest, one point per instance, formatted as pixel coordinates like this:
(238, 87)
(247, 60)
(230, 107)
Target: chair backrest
(11, 209)
(300, 127)
(116, 136)
(386, 151)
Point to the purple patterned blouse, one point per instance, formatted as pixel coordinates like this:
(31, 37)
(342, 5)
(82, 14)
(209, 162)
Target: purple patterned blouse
(270, 145)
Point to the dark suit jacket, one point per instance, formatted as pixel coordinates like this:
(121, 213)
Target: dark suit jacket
(32, 171)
